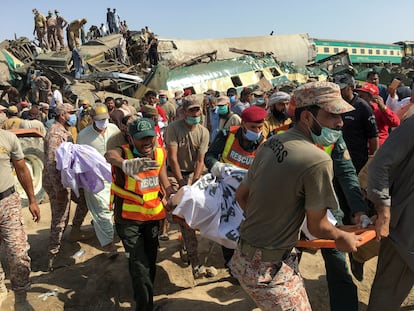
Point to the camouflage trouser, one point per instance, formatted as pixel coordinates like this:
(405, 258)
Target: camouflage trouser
(60, 205)
(273, 286)
(14, 237)
(189, 235)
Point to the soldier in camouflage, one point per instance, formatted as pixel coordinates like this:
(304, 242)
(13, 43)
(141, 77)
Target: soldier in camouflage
(12, 234)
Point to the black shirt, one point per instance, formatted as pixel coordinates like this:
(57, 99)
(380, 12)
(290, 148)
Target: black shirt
(359, 126)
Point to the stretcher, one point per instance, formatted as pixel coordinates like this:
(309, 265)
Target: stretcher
(367, 234)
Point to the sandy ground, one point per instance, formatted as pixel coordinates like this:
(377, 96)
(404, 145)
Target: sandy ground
(93, 282)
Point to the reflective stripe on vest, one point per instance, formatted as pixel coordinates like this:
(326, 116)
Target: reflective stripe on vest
(141, 199)
(234, 154)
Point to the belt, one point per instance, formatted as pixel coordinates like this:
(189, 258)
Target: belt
(269, 255)
(6, 193)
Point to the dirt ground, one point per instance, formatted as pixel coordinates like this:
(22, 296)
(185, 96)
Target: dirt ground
(93, 282)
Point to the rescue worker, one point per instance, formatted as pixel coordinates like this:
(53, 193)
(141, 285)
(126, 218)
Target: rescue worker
(59, 196)
(51, 31)
(40, 28)
(187, 142)
(236, 145)
(139, 172)
(13, 122)
(74, 32)
(61, 23)
(12, 234)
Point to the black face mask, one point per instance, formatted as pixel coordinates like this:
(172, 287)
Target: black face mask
(280, 116)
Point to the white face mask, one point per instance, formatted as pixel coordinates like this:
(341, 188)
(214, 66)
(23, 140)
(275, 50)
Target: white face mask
(101, 124)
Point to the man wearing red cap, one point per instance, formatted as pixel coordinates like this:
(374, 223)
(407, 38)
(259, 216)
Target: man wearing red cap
(236, 145)
(384, 117)
(265, 262)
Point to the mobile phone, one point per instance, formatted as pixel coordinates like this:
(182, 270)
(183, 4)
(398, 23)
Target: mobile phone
(395, 83)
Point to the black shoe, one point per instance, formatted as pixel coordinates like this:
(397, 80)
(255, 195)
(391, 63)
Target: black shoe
(357, 269)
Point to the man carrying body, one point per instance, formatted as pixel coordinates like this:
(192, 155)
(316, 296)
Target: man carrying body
(12, 234)
(265, 262)
(136, 201)
(236, 145)
(390, 184)
(187, 143)
(97, 136)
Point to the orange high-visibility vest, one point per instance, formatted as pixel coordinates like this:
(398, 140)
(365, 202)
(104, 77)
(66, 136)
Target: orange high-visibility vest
(234, 154)
(141, 200)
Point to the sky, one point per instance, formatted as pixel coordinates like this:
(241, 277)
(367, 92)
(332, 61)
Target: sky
(380, 21)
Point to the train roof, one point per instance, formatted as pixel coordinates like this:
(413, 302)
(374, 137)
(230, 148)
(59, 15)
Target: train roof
(355, 42)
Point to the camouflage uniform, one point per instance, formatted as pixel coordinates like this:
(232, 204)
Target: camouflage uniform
(273, 286)
(58, 195)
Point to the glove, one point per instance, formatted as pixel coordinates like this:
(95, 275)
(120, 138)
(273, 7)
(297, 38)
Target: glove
(365, 221)
(134, 166)
(216, 169)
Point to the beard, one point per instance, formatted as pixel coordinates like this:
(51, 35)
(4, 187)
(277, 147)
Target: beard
(279, 115)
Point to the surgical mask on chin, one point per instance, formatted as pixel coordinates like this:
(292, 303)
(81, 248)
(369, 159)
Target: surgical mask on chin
(223, 110)
(137, 153)
(252, 136)
(101, 124)
(72, 120)
(192, 120)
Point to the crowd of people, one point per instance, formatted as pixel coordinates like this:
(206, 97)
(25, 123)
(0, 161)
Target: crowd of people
(303, 151)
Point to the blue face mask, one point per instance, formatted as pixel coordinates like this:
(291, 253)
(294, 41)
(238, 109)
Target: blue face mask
(233, 99)
(179, 102)
(163, 100)
(223, 110)
(72, 120)
(192, 120)
(252, 136)
(327, 137)
(137, 153)
(260, 101)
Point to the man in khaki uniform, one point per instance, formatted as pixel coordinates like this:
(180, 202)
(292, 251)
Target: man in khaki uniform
(40, 28)
(74, 32)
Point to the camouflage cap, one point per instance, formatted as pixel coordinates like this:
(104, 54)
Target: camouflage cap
(326, 95)
(63, 108)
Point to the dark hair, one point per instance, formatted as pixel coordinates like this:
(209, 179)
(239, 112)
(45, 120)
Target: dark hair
(118, 102)
(109, 98)
(312, 109)
(371, 73)
(150, 93)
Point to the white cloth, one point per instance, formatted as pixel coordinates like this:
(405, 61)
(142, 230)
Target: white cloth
(82, 166)
(56, 98)
(209, 205)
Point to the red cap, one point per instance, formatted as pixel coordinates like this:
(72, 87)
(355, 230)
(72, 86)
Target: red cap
(254, 114)
(369, 88)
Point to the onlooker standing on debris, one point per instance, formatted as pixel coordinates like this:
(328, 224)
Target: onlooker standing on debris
(390, 184)
(13, 95)
(42, 88)
(110, 20)
(74, 32)
(152, 50)
(187, 142)
(265, 262)
(116, 21)
(12, 234)
(61, 23)
(40, 28)
(57, 99)
(78, 65)
(58, 195)
(51, 23)
(97, 136)
(137, 205)
(122, 49)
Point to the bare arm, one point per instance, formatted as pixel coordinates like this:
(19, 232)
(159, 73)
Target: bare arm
(174, 165)
(165, 183)
(319, 226)
(382, 224)
(242, 193)
(373, 145)
(198, 168)
(114, 157)
(25, 179)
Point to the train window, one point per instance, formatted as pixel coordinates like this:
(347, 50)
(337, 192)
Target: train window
(362, 51)
(370, 51)
(354, 51)
(274, 71)
(385, 52)
(336, 50)
(326, 50)
(378, 52)
(391, 52)
(236, 81)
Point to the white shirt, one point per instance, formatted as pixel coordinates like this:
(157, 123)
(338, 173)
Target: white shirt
(56, 98)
